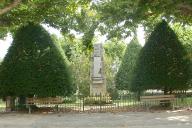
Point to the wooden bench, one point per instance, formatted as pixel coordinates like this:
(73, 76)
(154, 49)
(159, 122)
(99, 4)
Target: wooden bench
(43, 101)
(162, 99)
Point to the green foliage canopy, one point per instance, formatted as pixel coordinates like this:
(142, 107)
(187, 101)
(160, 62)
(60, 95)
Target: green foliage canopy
(120, 17)
(114, 51)
(114, 48)
(61, 14)
(65, 15)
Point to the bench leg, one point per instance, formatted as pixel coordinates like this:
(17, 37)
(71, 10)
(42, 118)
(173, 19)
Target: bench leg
(146, 105)
(56, 108)
(173, 106)
(29, 109)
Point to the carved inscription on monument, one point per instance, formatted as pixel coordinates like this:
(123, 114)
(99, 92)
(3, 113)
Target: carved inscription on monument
(97, 67)
(98, 50)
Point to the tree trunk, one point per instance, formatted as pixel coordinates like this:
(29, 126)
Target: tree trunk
(166, 103)
(10, 104)
(138, 95)
(165, 91)
(22, 102)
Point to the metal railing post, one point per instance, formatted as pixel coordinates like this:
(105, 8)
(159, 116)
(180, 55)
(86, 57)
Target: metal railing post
(83, 104)
(100, 102)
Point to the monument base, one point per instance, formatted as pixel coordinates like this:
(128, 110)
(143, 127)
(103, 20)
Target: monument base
(98, 89)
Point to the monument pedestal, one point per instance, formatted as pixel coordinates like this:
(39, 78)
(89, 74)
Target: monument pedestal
(98, 88)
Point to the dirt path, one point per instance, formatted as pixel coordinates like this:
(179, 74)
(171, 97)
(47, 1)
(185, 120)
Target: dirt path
(99, 120)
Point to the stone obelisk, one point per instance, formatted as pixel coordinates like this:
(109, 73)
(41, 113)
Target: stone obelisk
(98, 84)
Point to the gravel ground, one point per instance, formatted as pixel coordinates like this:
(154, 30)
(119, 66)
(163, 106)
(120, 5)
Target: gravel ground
(99, 120)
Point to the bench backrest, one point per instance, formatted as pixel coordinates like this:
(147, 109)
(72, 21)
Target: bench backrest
(157, 98)
(48, 100)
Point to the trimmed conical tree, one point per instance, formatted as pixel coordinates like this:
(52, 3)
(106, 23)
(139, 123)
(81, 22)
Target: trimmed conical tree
(125, 73)
(162, 62)
(34, 66)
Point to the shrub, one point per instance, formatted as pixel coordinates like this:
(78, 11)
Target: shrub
(97, 100)
(34, 65)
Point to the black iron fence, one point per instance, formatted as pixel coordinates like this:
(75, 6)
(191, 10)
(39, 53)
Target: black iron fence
(99, 103)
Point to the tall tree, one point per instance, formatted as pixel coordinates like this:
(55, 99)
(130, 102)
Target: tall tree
(162, 62)
(79, 63)
(114, 51)
(126, 71)
(34, 65)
